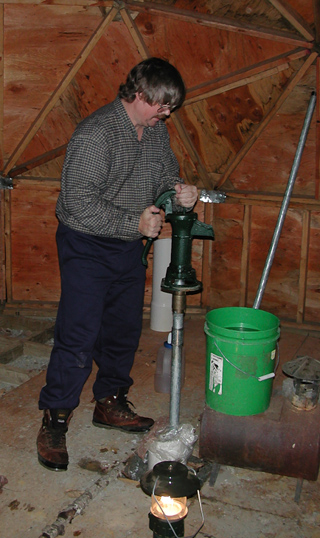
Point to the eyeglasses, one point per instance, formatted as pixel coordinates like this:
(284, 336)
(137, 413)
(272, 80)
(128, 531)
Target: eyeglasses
(167, 106)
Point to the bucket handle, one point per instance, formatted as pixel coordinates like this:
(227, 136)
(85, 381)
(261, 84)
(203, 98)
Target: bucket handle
(261, 377)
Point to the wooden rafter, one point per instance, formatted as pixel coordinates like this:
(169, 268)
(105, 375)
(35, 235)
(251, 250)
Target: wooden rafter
(2, 196)
(84, 3)
(193, 154)
(1, 80)
(135, 34)
(303, 266)
(291, 85)
(317, 156)
(60, 89)
(38, 161)
(244, 76)
(316, 12)
(229, 25)
(293, 18)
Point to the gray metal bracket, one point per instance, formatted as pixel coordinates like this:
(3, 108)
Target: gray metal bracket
(6, 183)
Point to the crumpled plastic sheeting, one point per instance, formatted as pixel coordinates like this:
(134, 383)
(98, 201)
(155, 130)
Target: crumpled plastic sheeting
(175, 444)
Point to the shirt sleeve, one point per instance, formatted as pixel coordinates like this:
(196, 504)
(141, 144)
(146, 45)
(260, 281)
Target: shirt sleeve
(84, 179)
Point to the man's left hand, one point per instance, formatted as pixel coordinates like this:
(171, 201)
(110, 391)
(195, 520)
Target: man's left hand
(187, 195)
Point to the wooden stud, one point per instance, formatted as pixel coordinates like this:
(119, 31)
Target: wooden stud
(207, 259)
(7, 237)
(303, 273)
(244, 272)
(317, 154)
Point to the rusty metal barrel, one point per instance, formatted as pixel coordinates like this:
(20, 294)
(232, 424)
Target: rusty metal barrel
(283, 440)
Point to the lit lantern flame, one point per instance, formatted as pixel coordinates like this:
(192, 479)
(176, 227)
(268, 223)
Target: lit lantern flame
(174, 508)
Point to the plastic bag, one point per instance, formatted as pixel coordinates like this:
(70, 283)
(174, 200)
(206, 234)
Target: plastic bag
(174, 444)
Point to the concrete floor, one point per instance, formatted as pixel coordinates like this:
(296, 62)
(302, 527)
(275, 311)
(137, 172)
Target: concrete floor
(95, 497)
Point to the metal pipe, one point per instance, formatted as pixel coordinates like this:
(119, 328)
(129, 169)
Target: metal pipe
(285, 202)
(178, 307)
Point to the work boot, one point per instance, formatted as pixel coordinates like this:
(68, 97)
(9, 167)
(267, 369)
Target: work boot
(114, 412)
(51, 440)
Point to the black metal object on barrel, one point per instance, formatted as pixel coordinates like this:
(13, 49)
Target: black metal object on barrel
(283, 440)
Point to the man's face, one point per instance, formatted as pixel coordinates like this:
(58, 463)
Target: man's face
(149, 115)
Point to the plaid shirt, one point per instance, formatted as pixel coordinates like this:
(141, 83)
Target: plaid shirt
(109, 177)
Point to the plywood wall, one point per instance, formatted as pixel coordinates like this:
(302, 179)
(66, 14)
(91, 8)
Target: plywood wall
(250, 68)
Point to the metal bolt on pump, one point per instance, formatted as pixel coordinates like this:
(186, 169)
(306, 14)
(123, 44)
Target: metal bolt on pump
(180, 279)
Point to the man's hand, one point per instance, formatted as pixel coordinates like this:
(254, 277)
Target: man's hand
(150, 222)
(187, 195)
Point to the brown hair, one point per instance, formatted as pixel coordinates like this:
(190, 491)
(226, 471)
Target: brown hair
(157, 80)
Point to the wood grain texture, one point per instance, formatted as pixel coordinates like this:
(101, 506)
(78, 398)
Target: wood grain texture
(249, 69)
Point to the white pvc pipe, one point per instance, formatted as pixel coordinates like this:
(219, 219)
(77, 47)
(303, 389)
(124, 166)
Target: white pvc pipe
(161, 315)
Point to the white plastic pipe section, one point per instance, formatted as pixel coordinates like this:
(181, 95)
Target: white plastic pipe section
(161, 315)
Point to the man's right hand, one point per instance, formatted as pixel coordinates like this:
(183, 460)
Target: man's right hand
(150, 222)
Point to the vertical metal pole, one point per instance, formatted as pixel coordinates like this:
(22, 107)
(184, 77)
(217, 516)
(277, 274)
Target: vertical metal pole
(285, 202)
(178, 307)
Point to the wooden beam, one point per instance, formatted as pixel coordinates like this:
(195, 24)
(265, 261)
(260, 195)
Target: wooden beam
(84, 3)
(60, 89)
(254, 198)
(38, 161)
(135, 34)
(316, 13)
(244, 270)
(243, 76)
(277, 105)
(207, 259)
(1, 82)
(293, 18)
(226, 24)
(191, 150)
(303, 273)
(237, 84)
(7, 239)
(317, 152)
(2, 204)
(143, 50)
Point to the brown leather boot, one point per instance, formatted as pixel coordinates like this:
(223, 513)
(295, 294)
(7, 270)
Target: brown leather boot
(114, 412)
(51, 440)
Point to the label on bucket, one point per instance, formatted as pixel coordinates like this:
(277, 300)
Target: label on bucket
(216, 371)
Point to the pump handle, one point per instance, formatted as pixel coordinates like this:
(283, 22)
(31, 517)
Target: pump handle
(165, 201)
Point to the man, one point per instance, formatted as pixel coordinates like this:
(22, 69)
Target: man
(117, 163)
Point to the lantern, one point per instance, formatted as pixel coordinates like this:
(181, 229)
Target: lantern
(170, 484)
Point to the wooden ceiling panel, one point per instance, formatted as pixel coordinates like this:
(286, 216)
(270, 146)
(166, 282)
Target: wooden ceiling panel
(50, 38)
(220, 125)
(203, 56)
(276, 147)
(95, 84)
(211, 128)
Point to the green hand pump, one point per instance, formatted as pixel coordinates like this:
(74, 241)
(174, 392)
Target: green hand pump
(180, 279)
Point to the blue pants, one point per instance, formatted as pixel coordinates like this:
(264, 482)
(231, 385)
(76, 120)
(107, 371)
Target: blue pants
(99, 317)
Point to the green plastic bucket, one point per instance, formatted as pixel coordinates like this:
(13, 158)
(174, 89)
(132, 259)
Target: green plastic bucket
(240, 361)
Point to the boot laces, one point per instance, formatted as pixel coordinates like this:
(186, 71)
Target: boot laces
(58, 438)
(124, 408)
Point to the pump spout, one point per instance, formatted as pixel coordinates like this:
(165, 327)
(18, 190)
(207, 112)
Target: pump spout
(200, 229)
